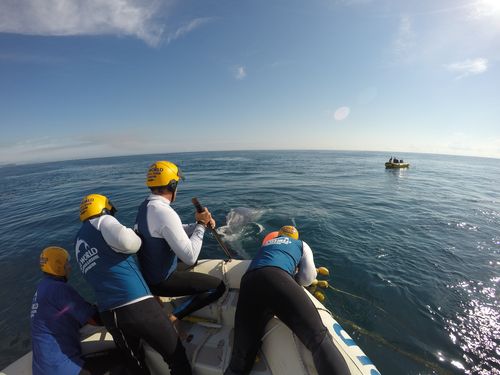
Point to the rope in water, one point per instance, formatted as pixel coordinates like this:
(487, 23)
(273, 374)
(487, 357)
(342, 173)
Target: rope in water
(378, 338)
(381, 340)
(358, 297)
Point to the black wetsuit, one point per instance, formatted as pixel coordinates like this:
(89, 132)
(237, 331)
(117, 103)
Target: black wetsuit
(127, 308)
(203, 289)
(146, 320)
(269, 291)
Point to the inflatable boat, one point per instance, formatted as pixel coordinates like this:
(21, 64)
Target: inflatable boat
(208, 336)
(397, 165)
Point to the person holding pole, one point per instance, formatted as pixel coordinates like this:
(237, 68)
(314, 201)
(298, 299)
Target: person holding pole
(165, 240)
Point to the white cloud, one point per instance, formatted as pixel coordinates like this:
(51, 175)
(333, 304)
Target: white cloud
(469, 144)
(484, 9)
(405, 40)
(50, 148)
(82, 17)
(468, 67)
(181, 31)
(240, 72)
(353, 2)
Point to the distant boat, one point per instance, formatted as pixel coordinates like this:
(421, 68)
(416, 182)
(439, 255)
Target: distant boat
(396, 165)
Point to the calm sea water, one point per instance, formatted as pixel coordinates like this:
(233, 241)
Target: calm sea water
(414, 254)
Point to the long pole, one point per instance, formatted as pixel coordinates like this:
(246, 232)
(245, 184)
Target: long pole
(200, 208)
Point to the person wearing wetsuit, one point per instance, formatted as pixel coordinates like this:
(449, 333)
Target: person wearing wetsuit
(272, 286)
(165, 240)
(57, 314)
(104, 252)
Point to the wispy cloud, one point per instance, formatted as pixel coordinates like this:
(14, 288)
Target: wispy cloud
(184, 29)
(50, 148)
(405, 40)
(353, 2)
(468, 67)
(83, 17)
(469, 144)
(239, 72)
(30, 59)
(484, 9)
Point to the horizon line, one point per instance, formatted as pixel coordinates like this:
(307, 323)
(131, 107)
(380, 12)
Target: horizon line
(6, 165)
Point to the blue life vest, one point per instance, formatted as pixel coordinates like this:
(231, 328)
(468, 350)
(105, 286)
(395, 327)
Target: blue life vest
(282, 252)
(156, 258)
(115, 277)
(57, 313)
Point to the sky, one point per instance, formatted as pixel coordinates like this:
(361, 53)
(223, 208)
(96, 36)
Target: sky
(92, 78)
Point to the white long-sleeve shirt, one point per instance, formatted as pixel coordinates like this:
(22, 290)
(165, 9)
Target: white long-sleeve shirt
(120, 238)
(307, 269)
(163, 222)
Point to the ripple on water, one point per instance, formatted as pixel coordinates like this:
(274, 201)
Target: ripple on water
(476, 326)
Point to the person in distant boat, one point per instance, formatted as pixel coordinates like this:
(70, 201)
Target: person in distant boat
(390, 160)
(57, 314)
(104, 251)
(395, 160)
(272, 286)
(166, 239)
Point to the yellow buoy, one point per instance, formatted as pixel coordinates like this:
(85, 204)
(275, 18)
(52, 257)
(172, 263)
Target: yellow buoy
(319, 296)
(314, 283)
(323, 283)
(323, 271)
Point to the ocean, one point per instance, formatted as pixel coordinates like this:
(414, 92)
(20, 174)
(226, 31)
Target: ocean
(414, 254)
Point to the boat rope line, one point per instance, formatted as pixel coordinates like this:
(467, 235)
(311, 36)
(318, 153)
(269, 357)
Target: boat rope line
(379, 339)
(358, 297)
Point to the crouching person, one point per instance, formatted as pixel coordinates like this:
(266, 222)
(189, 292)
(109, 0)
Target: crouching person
(57, 314)
(272, 286)
(104, 251)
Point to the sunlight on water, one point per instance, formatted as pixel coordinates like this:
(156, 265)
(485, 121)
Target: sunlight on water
(476, 328)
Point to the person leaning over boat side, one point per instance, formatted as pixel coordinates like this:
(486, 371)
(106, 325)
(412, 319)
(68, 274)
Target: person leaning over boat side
(104, 251)
(166, 239)
(272, 286)
(57, 314)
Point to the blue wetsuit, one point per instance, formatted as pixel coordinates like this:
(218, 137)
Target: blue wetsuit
(57, 314)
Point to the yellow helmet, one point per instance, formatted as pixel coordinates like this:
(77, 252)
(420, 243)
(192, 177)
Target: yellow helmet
(94, 205)
(164, 173)
(53, 260)
(289, 231)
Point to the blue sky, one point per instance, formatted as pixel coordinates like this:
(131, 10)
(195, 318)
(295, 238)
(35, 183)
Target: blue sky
(88, 78)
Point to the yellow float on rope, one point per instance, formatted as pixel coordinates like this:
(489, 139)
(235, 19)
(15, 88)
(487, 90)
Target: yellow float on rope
(314, 282)
(319, 296)
(323, 284)
(323, 271)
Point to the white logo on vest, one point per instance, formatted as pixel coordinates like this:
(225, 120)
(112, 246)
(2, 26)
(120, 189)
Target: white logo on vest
(87, 260)
(279, 241)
